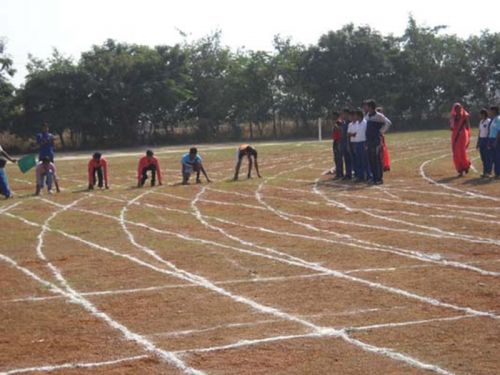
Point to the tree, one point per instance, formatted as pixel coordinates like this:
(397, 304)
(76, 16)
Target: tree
(6, 88)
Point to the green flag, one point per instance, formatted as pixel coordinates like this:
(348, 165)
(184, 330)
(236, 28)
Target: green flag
(27, 162)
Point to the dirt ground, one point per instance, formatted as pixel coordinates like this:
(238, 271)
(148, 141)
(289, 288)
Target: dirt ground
(293, 273)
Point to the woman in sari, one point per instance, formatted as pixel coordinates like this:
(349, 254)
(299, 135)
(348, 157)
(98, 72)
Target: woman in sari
(460, 138)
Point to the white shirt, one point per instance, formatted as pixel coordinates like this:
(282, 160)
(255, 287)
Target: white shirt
(1, 154)
(352, 128)
(360, 132)
(483, 128)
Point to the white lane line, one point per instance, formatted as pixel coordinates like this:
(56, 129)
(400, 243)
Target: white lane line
(262, 308)
(361, 244)
(203, 282)
(182, 286)
(90, 307)
(10, 207)
(268, 321)
(408, 323)
(244, 343)
(75, 298)
(431, 231)
(447, 186)
(281, 257)
(273, 311)
(66, 366)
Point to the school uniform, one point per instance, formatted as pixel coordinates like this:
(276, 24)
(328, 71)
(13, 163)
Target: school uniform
(482, 144)
(351, 129)
(46, 142)
(345, 150)
(494, 145)
(4, 181)
(376, 124)
(337, 155)
(359, 147)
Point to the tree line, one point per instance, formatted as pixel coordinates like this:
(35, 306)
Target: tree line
(125, 94)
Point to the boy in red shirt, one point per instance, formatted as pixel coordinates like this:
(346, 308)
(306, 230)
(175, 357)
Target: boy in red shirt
(98, 170)
(148, 163)
(336, 137)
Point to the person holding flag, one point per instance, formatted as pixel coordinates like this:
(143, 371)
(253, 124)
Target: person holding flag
(4, 182)
(46, 142)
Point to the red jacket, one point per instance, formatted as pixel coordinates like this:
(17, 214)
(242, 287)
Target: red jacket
(145, 162)
(101, 163)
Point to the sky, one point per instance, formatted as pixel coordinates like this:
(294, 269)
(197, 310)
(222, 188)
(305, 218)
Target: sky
(73, 26)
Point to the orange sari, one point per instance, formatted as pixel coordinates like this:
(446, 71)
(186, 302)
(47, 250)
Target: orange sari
(460, 138)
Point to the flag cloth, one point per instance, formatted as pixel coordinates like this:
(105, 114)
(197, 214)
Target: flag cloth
(27, 162)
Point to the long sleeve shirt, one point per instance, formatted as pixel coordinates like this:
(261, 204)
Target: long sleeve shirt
(145, 162)
(94, 164)
(376, 124)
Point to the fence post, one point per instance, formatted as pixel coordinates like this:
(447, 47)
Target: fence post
(320, 138)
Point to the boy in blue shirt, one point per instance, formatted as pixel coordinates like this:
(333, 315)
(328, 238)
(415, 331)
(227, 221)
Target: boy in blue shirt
(192, 162)
(494, 139)
(4, 182)
(46, 142)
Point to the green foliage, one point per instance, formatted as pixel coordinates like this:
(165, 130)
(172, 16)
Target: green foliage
(118, 93)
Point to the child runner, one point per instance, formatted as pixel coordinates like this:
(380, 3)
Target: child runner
(376, 125)
(46, 174)
(4, 181)
(482, 142)
(46, 142)
(251, 153)
(148, 163)
(192, 162)
(98, 171)
(359, 147)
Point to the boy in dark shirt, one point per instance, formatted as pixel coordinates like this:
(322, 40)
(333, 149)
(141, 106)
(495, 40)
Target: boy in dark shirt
(377, 125)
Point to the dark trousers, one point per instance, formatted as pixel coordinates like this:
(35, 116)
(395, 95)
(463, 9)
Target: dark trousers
(346, 159)
(97, 173)
(495, 152)
(361, 160)
(486, 155)
(144, 176)
(375, 160)
(337, 158)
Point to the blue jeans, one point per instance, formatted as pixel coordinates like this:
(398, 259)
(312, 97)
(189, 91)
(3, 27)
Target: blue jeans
(4, 183)
(361, 159)
(486, 155)
(46, 178)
